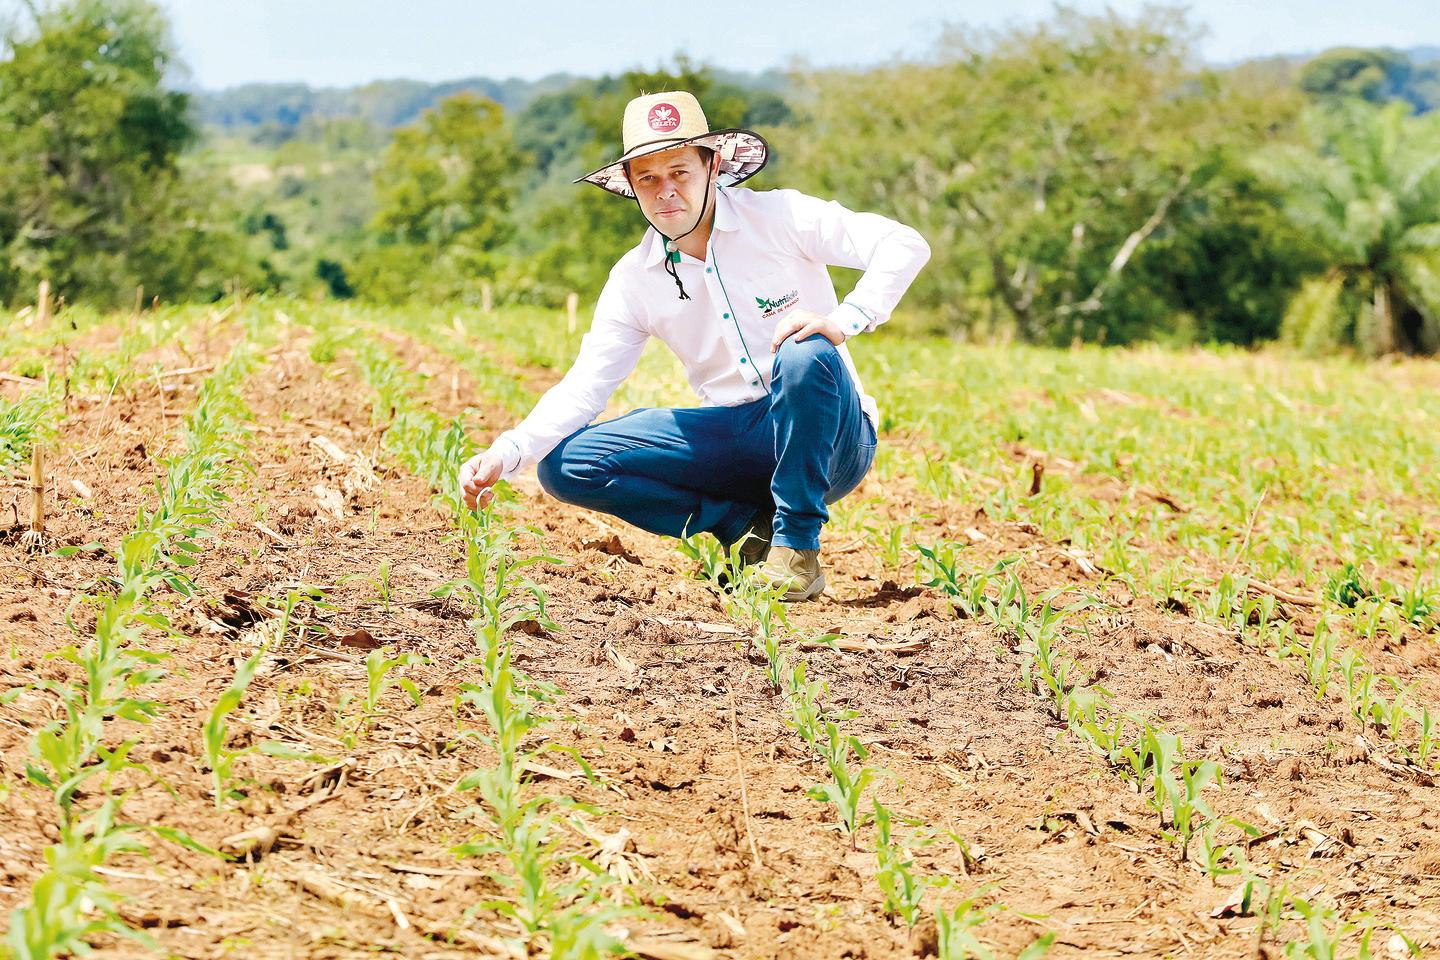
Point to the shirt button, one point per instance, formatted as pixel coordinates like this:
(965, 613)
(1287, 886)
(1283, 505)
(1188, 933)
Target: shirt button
(725, 316)
(707, 269)
(754, 383)
(744, 360)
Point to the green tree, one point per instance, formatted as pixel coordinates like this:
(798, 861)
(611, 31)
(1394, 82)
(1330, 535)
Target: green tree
(1042, 164)
(1227, 270)
(1378, 76)
(443, 190)
(1366, 194)
(92, 195)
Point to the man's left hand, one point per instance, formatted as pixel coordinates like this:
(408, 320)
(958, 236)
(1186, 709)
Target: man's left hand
(800, 323)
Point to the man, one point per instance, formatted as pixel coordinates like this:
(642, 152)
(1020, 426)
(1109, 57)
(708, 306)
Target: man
(734, 281)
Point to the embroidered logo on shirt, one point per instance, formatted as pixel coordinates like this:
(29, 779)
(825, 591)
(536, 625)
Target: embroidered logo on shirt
(663, 118)
(771, 308)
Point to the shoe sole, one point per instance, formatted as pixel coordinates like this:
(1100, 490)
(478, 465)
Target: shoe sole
(810, 593)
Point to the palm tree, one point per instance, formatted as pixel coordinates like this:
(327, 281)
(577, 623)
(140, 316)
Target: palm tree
(1368, 196)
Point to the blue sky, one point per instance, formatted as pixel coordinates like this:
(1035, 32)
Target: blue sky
(344, 42)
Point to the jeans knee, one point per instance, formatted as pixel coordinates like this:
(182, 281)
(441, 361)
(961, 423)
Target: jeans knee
(805, 359)
(555, 479)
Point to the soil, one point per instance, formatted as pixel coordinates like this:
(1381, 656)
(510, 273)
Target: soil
(699, 783)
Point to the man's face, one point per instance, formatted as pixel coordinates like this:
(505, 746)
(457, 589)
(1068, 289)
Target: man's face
(670, 186)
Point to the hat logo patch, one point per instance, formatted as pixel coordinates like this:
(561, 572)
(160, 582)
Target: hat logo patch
(663, 118)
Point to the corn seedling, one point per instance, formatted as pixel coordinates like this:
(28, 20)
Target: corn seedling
(824, 734)
(220, 759)
(895, 870)
(890, 542)
(1326, 933)
(1346, 587)
(708, 554)
(380, 582)
(69, 902)
(525, 831)
(382, 673)
(957, 932)
(751, 600)
(22, 424)
(114, 664)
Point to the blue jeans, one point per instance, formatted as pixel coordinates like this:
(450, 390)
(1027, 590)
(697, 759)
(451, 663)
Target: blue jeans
(711, 469)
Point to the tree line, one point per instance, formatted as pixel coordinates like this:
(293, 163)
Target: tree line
(1083, 179)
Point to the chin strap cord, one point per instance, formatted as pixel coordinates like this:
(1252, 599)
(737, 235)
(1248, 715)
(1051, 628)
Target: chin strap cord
(672, 257)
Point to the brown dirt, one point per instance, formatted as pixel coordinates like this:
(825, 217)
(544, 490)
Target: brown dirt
(653, 693)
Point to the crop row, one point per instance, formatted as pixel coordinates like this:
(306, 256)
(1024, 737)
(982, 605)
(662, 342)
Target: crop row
(69, 902)
(1377, 702)
(825, 732)
(1149, 757)
(1151, 760)
(554, 894)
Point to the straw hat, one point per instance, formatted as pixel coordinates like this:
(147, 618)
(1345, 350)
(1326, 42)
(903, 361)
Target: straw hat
(663, 121)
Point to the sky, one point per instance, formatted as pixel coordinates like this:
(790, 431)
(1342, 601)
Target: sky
(348, 42)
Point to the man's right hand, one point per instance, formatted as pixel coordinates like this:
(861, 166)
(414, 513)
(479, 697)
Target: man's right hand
(478, 477)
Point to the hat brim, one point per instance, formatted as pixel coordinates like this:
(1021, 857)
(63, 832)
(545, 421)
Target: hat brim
(742, 154)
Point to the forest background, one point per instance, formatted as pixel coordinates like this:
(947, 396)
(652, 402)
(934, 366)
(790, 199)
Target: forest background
(1086, 178)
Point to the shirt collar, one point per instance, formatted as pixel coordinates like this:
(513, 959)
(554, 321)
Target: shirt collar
(726, 219)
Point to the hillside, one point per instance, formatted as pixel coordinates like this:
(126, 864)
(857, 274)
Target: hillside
(392, 103)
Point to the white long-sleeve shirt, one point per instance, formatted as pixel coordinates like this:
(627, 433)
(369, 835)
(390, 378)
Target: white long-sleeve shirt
(767, 256)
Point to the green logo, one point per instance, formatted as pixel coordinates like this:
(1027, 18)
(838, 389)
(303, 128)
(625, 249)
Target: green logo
(769, 307)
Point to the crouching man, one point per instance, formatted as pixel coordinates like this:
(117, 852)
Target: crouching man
(733, 281)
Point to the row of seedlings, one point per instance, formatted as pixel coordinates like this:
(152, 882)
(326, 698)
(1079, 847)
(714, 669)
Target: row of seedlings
(1176, 788)
(823, 730)
(1151, 760)
(69, 902)
(561, 902)
(1379, 703)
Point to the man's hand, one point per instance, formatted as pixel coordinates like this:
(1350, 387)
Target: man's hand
(800, 323)
(478, 477)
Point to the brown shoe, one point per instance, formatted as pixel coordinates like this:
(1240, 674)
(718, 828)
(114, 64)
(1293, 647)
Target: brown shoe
(755, 538)
(798, 571)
